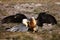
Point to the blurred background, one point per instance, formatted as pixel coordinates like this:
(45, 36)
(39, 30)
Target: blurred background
(29, 8)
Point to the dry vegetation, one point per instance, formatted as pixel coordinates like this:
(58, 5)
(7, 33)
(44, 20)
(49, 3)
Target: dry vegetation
(6, 7)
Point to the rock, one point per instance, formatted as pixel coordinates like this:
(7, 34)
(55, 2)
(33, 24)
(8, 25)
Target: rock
(19, 28)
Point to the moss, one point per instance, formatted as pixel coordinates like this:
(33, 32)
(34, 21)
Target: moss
(55, 36)
(3, 12)
(20, 37)
(27, 38)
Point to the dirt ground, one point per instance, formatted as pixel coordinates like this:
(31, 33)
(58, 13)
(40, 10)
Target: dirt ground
(30, 8)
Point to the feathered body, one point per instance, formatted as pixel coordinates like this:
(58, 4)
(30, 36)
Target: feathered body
(32, 24)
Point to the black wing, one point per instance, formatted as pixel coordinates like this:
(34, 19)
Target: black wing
(43, 17)
(14, 18)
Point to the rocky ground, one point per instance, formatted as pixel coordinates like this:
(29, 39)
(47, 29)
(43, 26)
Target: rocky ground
(30, 9)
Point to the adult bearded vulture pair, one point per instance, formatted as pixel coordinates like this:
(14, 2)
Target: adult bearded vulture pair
(31, 23)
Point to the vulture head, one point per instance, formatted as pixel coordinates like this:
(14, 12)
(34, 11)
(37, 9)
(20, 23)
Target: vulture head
(25, 22)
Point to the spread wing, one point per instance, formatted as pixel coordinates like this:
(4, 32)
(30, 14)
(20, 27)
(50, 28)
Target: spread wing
(44, 17)
(14, 18)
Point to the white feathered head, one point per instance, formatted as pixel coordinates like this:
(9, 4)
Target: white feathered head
(25, 22)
